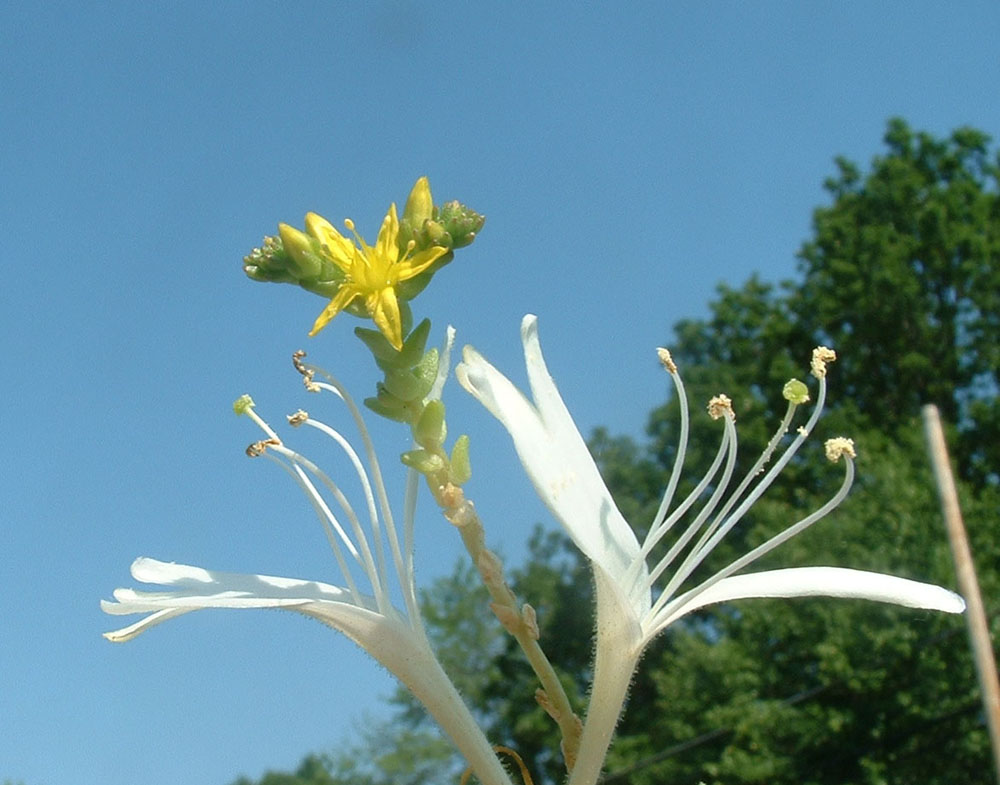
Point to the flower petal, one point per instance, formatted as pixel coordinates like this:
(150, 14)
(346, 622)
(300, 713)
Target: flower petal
(389, 638)
(197, 588)
(387, 317)
(386, 243)
(558, 462)
(813, 582)
(341, 250)
(416, 264)
(341, 300)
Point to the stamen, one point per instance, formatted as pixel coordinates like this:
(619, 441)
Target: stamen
(359, 469)
(728, 446)
(257, 449)
(721, 406)
(331, 526)
(404, 568)
(838, 447)
(364, 558)
(821, 356)
(305, 370)
(666, 360)
(663, 618)
(682, 440)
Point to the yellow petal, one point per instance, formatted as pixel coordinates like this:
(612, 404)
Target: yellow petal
(341, 249)
(417, 263)
(340, 300)
(387, 318)
(385, 245)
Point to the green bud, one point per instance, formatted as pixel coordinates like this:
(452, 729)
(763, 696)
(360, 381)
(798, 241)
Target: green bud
(273, 263)
(243, 404)
(303, 250)
(462, 223)
(419, 204)
(431, 429)
(795, 392)
(460, 469)
(269, 263)
(423, 461)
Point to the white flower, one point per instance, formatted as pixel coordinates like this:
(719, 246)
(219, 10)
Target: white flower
(633, 603)
(395, 638)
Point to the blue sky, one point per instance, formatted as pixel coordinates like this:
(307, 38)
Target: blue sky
(629, 158)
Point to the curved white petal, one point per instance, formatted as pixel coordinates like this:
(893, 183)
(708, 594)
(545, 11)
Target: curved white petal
(557, 460)
(386, 637)
(813, 582)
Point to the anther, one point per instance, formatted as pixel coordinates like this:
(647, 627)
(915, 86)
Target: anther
(720, 406)
(257, 449)
(666, 360)
(820, 357)
(840, 446)
(307, 373)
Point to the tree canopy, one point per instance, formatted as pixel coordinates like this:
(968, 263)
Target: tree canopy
(902, 277)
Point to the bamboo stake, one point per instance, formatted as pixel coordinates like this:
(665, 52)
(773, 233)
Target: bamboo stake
(975, 615)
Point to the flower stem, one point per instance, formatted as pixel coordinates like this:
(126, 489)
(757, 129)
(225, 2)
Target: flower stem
(519, 622)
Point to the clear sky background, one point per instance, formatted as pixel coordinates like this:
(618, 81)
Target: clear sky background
(629, 157)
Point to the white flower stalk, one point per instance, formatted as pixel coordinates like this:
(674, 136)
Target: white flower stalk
(636, 600)
(365, 614)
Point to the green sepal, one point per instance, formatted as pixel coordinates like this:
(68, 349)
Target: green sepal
(379, 346)
(405, 386)
(431, 429)
(460, 468)
(423, 461)
(386, 355)
(391, 408)
(414, 344)
(413, 385)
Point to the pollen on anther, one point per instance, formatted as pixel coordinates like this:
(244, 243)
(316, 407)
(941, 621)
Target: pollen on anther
(257, 449)
(295, 420)
(720, 406)
(822, 355)
(838, 447)
(666, 360)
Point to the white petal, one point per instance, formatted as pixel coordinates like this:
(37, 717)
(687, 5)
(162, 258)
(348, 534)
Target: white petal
(387, 637)
(814, 582)
(557, 460)
(197, 589)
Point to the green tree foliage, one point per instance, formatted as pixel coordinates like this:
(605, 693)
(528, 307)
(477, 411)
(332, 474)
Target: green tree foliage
(902, 277)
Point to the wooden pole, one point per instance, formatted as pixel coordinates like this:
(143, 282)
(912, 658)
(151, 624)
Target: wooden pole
(975, 615)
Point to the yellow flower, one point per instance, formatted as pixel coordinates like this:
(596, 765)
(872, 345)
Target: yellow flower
(371, 273)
